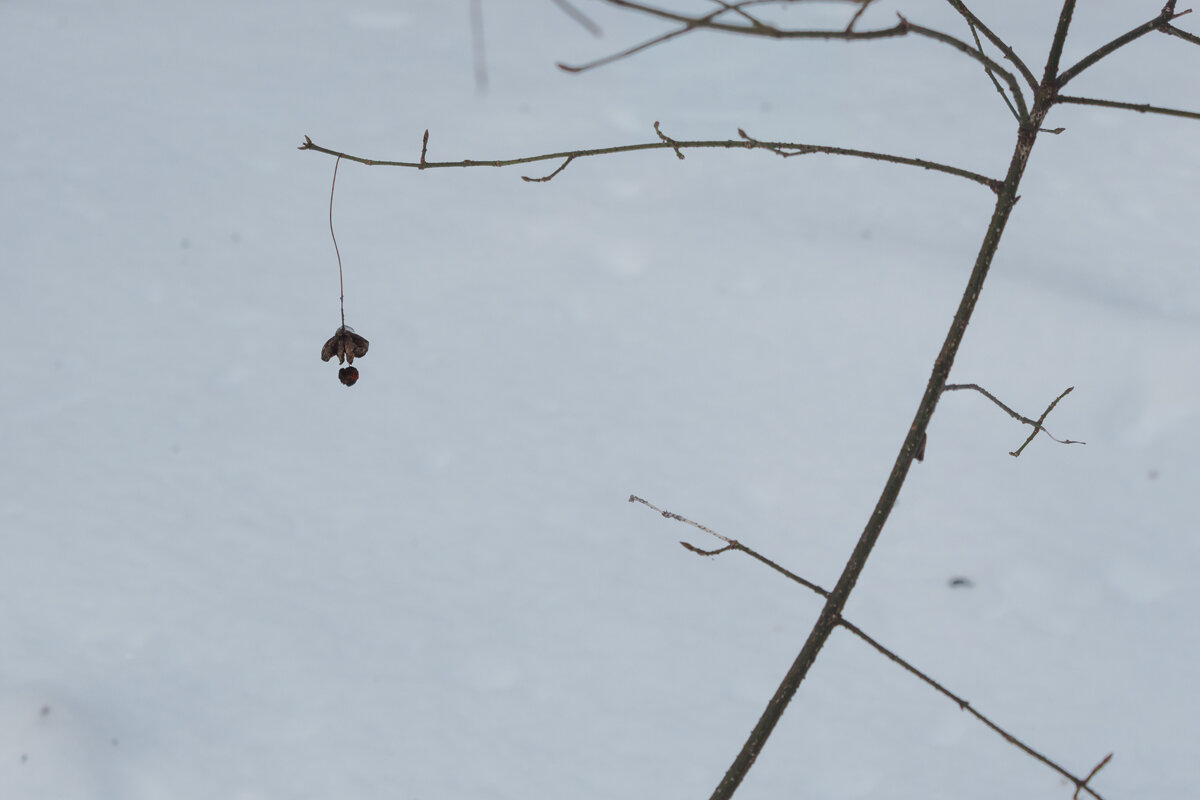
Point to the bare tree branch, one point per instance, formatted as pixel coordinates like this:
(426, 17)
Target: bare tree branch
(1081, 784)
(1091, 775)
(1173, 31)
(1002, 45)
(1158, 23)
(665, 142)
(711, 21)
(862, 9)
(1144, 108)
(1056, 45)
(958, 44)
(1037, 424)
(992, 75)
(739, 10)
(600, 62)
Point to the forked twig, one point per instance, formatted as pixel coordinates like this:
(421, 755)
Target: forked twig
(1103, 762)
(712, 21)
(1037, 424)
(1161, 22)
(1081, 784)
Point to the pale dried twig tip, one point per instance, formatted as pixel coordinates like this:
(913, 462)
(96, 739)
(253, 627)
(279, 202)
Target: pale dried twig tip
(633, 498)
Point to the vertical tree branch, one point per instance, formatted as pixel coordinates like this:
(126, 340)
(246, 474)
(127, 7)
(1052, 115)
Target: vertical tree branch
(831, 612)
(1056, 46)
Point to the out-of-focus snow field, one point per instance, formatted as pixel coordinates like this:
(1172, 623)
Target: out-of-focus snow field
(226, 575)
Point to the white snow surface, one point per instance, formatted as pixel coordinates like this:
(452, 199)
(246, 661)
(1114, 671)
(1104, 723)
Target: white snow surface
(225, 575)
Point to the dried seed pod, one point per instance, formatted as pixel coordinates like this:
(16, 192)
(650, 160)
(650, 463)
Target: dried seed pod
(348, 375)
(346, 345)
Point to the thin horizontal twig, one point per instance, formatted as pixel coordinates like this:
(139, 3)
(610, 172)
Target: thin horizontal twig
(1081, 784)
(1037, 424)
(676, 145)
(1142, 108)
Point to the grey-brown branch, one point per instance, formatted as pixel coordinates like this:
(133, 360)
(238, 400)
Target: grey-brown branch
(1080, 784)
(664, 143)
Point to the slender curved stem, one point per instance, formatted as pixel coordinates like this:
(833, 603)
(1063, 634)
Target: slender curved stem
(1144, 108)
(665, 143)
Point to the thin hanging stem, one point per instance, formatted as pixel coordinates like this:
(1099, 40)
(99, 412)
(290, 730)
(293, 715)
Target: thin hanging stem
(341, 282)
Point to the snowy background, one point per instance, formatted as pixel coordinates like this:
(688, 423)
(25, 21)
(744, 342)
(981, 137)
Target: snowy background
(225, 575)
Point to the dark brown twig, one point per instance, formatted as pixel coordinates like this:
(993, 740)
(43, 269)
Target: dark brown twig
(1050, 74)
(1081, 784)
(424, 149)
(1037, 424)
(1158, 23)
(712, 22)
(995, 81)
(1171, 30)
(739, 10)
(688, 26)
(745, 143)
(1142, 108)
(862, 9)
(1092, 774)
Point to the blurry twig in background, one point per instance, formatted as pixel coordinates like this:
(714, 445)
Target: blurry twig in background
(577, 15)
(1081, 784)
(477, 51)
